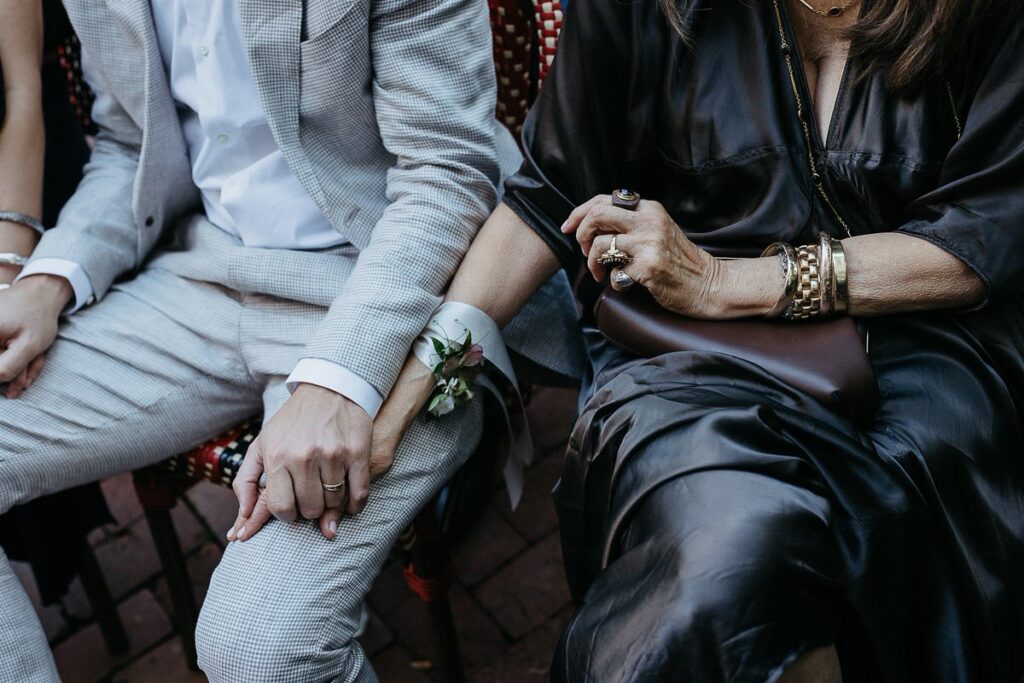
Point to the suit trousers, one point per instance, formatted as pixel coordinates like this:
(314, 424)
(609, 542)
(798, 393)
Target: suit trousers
(202, 338)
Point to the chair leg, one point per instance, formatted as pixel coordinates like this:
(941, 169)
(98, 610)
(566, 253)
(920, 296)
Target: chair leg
(431, 565)
(103, 606)
(172, 560)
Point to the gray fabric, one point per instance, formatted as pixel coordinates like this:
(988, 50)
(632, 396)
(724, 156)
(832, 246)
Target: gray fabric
(164, 363)
(384, 109)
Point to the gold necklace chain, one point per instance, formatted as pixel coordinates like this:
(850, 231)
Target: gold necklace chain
(833, 12)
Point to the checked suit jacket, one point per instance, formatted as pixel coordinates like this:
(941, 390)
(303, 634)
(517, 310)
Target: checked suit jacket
(384, 110)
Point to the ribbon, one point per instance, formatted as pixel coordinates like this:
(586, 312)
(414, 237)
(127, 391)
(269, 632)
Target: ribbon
(453, 321)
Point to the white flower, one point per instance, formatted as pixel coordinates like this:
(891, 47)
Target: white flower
(443, 406)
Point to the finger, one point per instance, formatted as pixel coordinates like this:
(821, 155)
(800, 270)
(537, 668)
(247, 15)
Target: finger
(358, 485)
(281, 495)
(332, 471)
(15, 358)
(620, 287)
(603, 243)
(309, 488)
(257, 520)
(17, 386)
(580, 212)
(604, 220)
(35, 368)
(246, 483)
(329, 523)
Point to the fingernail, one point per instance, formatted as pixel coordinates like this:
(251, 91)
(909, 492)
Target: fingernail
(241, 533)
(333, 526)
(230, 534)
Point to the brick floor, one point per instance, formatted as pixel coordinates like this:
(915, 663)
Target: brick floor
(510, 600)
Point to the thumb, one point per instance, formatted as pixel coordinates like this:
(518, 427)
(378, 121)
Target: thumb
(329, 523)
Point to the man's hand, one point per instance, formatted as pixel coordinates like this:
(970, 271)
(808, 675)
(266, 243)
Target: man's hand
(29, 312)
(318, 437)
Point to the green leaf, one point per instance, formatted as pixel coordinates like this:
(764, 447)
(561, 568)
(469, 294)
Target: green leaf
(438, 346)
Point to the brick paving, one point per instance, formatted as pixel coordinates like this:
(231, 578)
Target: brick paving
(510, 599)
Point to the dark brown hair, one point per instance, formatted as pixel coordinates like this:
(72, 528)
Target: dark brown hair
(909, 40)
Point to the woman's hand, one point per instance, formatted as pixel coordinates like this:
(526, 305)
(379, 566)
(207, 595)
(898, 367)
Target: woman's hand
(681, 276)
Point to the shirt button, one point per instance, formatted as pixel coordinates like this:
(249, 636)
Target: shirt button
(90, 301)
(223, 139)
(204, 51)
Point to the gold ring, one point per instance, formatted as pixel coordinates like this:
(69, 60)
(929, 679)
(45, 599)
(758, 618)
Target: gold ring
(334, 488)
(614, 257)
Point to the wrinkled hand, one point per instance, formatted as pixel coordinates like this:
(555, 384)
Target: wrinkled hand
(318, 437)
(680, 275)
(29, 313)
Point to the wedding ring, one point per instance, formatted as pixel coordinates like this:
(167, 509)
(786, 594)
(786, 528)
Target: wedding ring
(614, 257)
(625, 199)
(334, 488)
(623, 280)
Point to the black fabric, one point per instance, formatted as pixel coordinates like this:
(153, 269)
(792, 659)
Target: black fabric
(50, 532)
(717, 523)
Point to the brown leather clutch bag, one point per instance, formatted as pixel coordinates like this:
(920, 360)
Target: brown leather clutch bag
(826, 360)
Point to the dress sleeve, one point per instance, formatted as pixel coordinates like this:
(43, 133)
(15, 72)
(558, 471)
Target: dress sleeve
(573, 137)
(977, 210)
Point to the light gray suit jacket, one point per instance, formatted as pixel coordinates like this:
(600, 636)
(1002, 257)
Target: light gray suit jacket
(384, 109)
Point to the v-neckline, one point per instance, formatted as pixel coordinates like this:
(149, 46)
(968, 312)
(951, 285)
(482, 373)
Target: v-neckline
(805, 88)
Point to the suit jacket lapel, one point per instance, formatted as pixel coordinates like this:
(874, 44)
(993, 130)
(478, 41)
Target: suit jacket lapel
(163, 148)
(273, 31)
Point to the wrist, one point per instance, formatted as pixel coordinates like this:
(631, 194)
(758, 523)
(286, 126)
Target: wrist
(51, 292)
(8, 273)
(744, 288)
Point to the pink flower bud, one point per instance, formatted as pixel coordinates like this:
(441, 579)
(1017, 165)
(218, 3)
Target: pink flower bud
(473, 356)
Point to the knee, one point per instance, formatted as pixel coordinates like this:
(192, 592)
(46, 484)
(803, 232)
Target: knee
(238, 640)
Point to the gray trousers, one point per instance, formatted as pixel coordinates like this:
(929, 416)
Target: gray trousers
(202, 338)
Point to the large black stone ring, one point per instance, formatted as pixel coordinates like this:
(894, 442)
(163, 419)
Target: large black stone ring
(625, 199)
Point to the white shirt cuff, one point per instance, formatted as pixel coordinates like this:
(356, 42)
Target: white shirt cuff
(324, 373)
(70, 271)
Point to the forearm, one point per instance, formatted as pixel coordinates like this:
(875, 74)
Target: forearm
(21, 177)
(888, 273)
(506, 264)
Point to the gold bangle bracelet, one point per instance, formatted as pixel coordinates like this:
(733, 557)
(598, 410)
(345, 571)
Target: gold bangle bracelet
(841, 301)
(826, 272)
(790, 274)
(807, 301)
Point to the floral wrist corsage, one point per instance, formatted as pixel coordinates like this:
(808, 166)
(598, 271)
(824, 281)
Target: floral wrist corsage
(458, 365)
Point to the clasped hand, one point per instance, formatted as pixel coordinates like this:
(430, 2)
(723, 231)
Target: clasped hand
(318, 438)
(681, 276)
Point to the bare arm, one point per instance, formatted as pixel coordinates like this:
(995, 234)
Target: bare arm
(888, 272)
(22, 137)
(506, 264)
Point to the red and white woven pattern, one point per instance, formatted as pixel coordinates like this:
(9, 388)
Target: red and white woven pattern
(549, 26)
(525, 39)
(511, 27)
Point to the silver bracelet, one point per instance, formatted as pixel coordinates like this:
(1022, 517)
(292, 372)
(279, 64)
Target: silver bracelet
(22, 219)
(12, 259)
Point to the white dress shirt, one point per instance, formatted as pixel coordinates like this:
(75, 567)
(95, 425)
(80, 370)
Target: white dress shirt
(247, 188)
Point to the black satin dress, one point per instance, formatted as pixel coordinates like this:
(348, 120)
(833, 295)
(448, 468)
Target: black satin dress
(717, 523)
